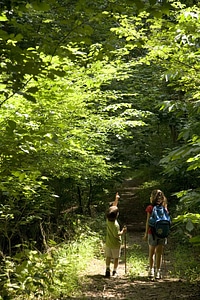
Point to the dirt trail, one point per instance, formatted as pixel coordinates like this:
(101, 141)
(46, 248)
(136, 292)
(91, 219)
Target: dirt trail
(95, 286)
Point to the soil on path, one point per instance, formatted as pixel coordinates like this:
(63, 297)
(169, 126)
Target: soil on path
(96, 286)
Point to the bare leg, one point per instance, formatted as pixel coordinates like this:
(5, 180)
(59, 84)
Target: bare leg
(159, 252)
(108, 260)
(116, 263)
(151, 256)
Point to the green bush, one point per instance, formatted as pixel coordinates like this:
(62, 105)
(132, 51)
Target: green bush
(35, 275)
(186, 262)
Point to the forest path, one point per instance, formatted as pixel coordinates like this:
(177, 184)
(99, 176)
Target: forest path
(95, 286)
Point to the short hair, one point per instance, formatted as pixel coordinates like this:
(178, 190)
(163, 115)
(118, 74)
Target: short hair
(112, 213)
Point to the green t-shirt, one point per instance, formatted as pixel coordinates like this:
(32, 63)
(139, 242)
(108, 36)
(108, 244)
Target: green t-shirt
(113, 240)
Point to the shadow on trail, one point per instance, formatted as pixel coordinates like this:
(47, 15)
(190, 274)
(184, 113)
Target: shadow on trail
(141, 288)
(95, 286)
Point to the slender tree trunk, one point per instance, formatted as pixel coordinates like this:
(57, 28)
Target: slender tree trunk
(80, 200)
(89, 199)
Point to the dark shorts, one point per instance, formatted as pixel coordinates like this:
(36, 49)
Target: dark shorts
(154, 240)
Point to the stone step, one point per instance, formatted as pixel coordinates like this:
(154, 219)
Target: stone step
(131, 210)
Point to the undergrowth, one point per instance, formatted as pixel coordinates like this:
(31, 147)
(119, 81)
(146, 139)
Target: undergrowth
(34, 275)
(137, 261)
(56, 272)
(186, 263)
(184, 259)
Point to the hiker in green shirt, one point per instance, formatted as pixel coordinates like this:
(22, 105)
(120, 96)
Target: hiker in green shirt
(113, 237)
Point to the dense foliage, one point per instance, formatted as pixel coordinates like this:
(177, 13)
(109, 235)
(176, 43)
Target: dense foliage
(93, 93)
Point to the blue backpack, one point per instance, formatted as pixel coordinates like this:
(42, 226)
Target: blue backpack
(160, 221)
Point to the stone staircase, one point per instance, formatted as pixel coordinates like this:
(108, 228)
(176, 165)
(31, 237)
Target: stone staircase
(131, 209)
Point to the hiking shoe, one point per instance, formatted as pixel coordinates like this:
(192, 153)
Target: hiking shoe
(114, 274)
(158, 274)
(107, 275)
(151, 273)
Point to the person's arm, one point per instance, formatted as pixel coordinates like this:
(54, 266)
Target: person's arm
(124, 230)
(117, 196)
(147, 226)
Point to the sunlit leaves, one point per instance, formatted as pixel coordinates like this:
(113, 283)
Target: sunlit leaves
(3, 17)
(195, 240)
(80, 101)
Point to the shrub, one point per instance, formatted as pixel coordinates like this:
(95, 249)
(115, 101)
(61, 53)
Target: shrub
(35, 275)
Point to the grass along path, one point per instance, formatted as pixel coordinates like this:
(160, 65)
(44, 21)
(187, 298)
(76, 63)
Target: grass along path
(135, 283)
(137, 287)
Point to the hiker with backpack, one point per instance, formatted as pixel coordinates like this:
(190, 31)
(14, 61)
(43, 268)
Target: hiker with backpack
(157, 230)
(113, 237)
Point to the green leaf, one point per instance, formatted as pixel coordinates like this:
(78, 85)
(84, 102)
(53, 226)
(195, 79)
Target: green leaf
(22, 176)
(29, 97)
(41, 6)
(12, 124)
(18, 37)
(139, 4)
(3, 18)
(33, 89)
(152, 2)
(189, 225)
(195, 240)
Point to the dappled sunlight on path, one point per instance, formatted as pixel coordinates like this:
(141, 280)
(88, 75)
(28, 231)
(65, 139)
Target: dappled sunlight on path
(124, 287)
(95, 286)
